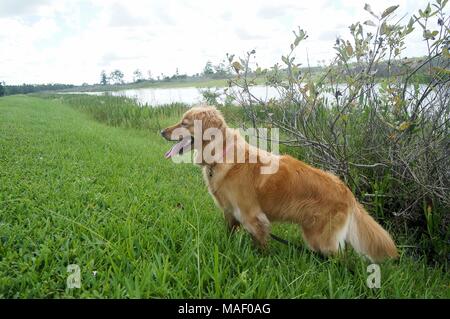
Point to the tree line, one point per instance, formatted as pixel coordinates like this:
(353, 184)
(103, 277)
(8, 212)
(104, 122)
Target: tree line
(117, 77)
(31, 88)
(210, 70)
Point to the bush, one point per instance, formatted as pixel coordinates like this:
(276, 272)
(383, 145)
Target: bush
(383, 132)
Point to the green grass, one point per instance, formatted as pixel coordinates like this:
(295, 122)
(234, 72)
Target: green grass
(77, 191)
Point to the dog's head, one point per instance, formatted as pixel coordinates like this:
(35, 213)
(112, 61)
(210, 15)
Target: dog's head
(183, 131)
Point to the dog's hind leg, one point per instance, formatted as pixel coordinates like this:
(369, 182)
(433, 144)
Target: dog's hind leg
(327, 235)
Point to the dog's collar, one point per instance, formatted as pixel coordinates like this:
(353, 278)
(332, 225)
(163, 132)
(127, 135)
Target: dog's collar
(224, 153)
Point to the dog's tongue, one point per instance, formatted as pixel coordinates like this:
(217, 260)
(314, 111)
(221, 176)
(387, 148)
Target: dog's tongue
(184, 144)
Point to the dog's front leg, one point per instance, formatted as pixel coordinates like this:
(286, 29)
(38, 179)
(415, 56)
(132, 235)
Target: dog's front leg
(232, 223)
(257, 224)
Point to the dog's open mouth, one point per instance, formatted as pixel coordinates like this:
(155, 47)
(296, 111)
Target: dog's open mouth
(183, 146)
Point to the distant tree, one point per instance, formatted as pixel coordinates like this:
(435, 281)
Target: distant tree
(216, 71)
(137, 76)
(208, 69)
(221, 70)
(117, 76)
(103, 78)
(149, 75)
(2, 89)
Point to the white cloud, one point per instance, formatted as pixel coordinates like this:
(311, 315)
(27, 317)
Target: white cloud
(72, 41)
(276, 11)
(20, 7)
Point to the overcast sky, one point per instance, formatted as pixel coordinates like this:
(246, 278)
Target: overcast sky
(69, 41)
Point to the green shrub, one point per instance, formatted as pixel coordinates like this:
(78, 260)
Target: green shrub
(367, 119)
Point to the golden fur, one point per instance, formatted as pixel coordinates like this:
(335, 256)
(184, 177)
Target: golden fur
(319, 202)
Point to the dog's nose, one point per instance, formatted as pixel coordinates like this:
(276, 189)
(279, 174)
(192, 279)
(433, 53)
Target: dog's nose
(162, 132)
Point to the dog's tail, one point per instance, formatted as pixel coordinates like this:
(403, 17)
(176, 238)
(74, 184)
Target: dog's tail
(368, 238)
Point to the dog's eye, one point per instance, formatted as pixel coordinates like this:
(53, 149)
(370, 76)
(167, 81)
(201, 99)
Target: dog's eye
(184, 124)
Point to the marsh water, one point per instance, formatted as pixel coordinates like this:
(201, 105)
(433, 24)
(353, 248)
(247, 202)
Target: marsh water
(188, 95)
(192, 95)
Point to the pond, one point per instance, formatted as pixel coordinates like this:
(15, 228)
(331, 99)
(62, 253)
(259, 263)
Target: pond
(192, 95)
(188, 95)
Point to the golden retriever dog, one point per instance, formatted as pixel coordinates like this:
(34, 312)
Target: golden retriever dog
(319, 202)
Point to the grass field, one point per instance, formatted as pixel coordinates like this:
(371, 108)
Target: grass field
(77, 191)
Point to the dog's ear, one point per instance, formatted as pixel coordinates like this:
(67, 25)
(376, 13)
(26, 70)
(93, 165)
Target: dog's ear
(213, 118)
